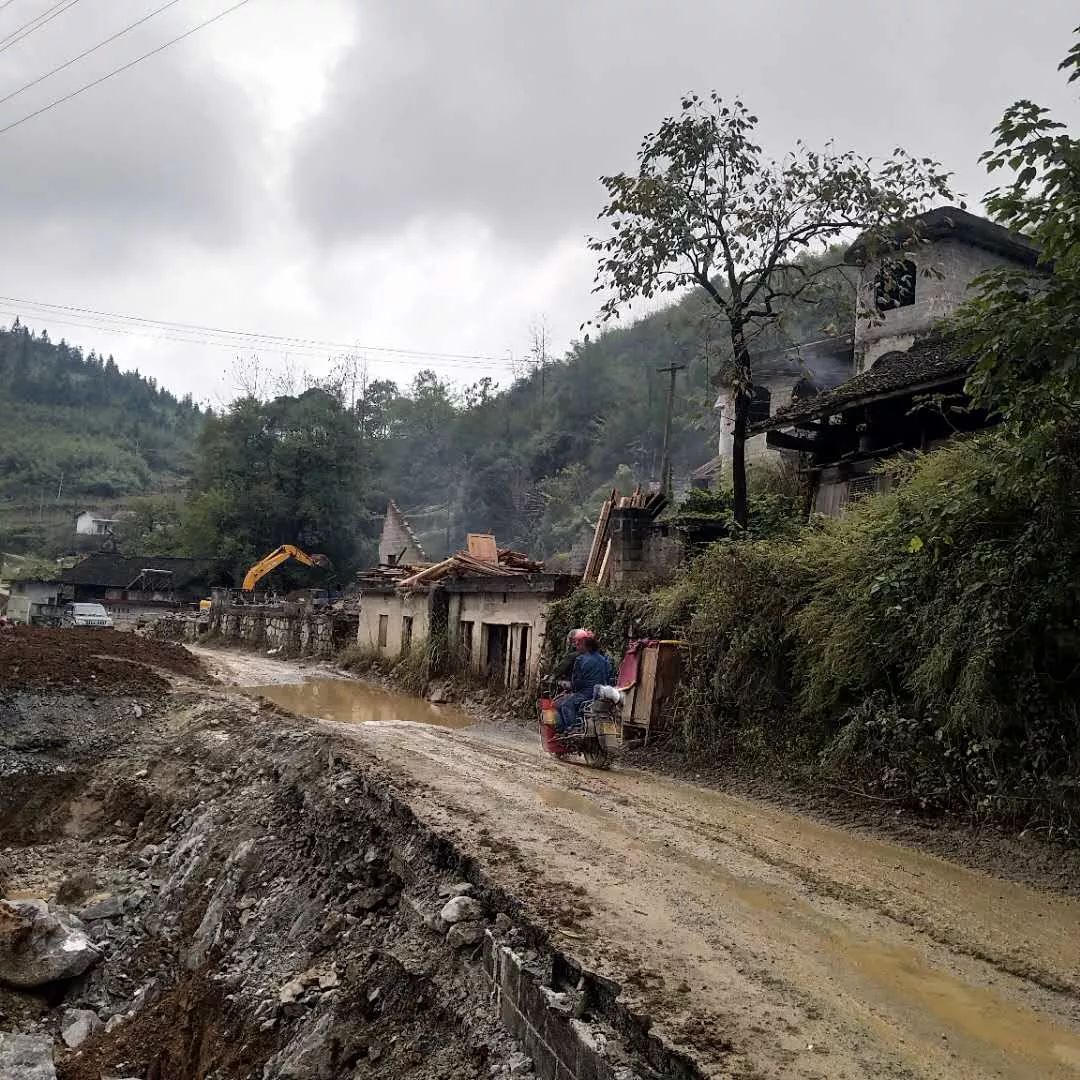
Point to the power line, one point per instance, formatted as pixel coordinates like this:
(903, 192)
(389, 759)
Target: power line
(126, 67)
(305, 353)
(154, 333)
(297, 344)
(36, 23)
(83, 55)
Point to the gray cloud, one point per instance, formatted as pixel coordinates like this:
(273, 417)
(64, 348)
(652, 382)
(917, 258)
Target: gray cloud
(506, 113)
(423, 173)
(161, 150)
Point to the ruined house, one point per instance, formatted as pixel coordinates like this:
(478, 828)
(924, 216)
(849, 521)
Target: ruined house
(781, 375)
(398, 545)
(907, 390)
(488, 605)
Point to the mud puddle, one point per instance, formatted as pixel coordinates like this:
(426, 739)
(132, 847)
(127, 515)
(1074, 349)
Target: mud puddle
(352, 702)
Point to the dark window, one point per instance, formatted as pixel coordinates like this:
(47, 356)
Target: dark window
(760, 405)
(384, 625)
(406, 633)
(895, 285)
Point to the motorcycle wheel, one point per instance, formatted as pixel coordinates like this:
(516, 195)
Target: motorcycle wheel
(595, 756)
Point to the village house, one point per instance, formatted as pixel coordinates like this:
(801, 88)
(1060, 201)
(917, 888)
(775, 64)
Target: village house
(87, 523)
(487, 604)
(795, 372)
(34, 599)
(141, 588)
(907, 389)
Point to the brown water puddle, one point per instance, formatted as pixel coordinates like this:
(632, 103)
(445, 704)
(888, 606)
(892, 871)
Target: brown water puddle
(352, 702)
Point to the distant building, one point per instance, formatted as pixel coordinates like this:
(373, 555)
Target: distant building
(141, 588)
(87, 523)
(908, 389)
(34, 600)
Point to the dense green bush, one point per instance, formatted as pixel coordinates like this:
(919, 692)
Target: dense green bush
(946, 614)
(925, 647)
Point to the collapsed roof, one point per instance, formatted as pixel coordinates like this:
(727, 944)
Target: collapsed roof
(928, 364)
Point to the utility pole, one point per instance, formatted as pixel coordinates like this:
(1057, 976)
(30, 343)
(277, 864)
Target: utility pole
(665, 461)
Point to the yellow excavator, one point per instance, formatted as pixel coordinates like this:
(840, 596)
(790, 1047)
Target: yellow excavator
(275, 559)
(270, 562)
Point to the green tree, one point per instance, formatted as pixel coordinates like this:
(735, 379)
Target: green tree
(1024, 329)
(707, 209)
(290, 470)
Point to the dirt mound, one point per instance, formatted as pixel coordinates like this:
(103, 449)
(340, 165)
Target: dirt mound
(105, 660)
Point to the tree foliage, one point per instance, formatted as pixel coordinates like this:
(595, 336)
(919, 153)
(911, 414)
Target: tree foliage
(1023, 329)
(706, 209)
(290, 470)
(79, 428)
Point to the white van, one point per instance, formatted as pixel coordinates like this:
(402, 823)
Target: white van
(86, 615)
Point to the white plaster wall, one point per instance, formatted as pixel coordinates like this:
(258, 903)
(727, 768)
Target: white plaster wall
(959, 264)
(395, 606)
(529, 609)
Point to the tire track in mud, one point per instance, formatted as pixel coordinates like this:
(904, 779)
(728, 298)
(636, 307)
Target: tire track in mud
(817, 957)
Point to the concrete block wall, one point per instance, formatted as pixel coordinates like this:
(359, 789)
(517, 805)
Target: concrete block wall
(642, 553)
(562, 1046)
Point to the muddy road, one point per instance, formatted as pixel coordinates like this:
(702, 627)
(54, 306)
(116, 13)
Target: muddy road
(761, 943)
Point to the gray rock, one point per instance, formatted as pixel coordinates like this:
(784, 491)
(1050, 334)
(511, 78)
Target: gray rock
(465, 934)
(77, 1026)
(26, 1057)
(39, 946)
(462, 909)
(519, 1064)
(460, 888)
(108, 907)
(503, 923)
(309, 1056)
(209, 934)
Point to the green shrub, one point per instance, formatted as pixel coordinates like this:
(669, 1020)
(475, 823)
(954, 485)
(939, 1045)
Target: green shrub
(940, 638)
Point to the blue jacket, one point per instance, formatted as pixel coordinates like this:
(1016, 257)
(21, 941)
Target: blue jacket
(592, 669)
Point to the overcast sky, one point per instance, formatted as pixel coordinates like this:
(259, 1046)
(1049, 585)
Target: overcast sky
(422, 174)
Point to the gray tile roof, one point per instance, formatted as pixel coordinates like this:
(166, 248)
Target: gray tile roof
(926, 364)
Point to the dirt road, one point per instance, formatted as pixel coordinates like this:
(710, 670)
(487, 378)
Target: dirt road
(764, 944)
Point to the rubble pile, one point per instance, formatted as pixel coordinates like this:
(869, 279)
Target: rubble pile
(219, 896)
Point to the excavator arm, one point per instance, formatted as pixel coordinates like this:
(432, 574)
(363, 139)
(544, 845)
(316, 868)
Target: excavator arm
(275, 559)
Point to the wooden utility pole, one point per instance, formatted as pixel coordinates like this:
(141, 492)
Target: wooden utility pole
(665, 461)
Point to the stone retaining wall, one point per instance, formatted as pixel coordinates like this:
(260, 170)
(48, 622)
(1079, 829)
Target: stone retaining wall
(288, 630)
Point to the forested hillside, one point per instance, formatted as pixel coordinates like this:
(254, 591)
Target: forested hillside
(77, 430)
(529, 461)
